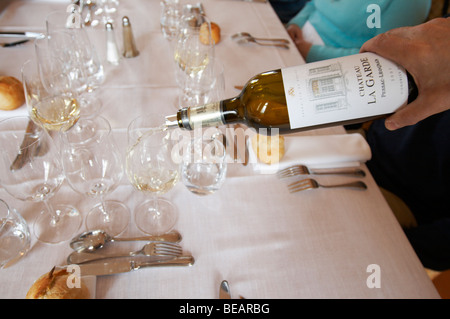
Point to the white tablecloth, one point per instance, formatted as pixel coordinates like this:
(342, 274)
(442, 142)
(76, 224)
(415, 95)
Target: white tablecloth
(266, 242)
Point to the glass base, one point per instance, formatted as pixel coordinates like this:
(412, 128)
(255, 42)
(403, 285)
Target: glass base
(49, 231)
(114, 221)
(156, 216)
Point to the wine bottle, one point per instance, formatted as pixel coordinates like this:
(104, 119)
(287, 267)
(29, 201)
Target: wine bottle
(346, 90)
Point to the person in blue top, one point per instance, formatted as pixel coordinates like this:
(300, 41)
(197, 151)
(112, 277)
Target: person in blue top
(341, 27)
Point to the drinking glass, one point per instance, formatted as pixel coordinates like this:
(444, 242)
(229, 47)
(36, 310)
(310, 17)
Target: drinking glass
(80, 47)
(205, 87)
(36, 177)
(51, 104)
(150, 168)
(93, 166)
(204, 165)
(192, 51)
(170, 18)
(14, 235)
(57, 64)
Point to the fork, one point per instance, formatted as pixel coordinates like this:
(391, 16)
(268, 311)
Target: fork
(303, 170)
(306, 184)
(159, 249)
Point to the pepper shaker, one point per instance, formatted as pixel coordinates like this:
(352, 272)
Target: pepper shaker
(129, 45)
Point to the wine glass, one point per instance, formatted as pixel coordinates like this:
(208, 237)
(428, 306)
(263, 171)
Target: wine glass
(169, 20)
(93, 166)
(70, 42)
(150, 168)
(31, 171)
(193, 50)
(50, 102)
(205, 87)
(57, 64)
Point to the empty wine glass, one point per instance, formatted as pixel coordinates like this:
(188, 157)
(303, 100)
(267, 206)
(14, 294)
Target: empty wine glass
(31, 171)
(170, 18)
(80, 47)
(93, 166)
(51, 104)
(150, 168)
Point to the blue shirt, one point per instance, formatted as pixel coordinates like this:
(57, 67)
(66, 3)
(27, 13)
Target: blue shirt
(342, 24)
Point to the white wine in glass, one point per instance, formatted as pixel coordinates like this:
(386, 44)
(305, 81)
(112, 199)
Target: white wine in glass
(150, 168)
(192, 52)
(50, 107)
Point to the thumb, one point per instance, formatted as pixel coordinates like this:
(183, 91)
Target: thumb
(412, 113)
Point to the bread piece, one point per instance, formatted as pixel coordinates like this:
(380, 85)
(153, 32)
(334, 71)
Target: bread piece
(268, 149)
(11, 93)
(53, 285)
(204, 33)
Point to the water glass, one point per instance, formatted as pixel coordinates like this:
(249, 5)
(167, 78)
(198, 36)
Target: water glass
(204, 166)
(170, 18)
(14, 235)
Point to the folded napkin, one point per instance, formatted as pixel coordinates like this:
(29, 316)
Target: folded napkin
(20, 111)
(324, 151)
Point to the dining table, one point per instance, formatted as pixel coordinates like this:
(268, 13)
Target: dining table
(266, 242)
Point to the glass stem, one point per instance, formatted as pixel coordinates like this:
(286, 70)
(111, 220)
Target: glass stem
(106, 215)
(155, 200)
(56, 214)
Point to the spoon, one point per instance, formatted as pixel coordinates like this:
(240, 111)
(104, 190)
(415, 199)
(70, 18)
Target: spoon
(249, 36)
(246, 40)
(92, 240)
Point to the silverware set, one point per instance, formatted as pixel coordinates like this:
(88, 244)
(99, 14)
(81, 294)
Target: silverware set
(89, 255)
(309, 183)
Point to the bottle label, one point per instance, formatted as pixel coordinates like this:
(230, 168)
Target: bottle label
(351, 87)
(205, 116)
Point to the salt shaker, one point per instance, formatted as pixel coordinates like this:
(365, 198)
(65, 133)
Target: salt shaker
(112, 52)
(129, 45)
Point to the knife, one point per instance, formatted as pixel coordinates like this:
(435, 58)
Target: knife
(13, 44)
(120, 265)
(16, 34)
(224, 290)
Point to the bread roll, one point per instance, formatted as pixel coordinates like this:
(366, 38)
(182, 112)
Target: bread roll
(11, 93)
(268, 149)
(204, 33)
(53, 285)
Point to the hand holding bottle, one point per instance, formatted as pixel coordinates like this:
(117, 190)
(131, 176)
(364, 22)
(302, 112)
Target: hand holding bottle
(423, 51)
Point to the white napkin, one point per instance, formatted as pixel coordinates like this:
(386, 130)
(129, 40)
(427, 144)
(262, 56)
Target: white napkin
(324, 151)
(20, 111)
